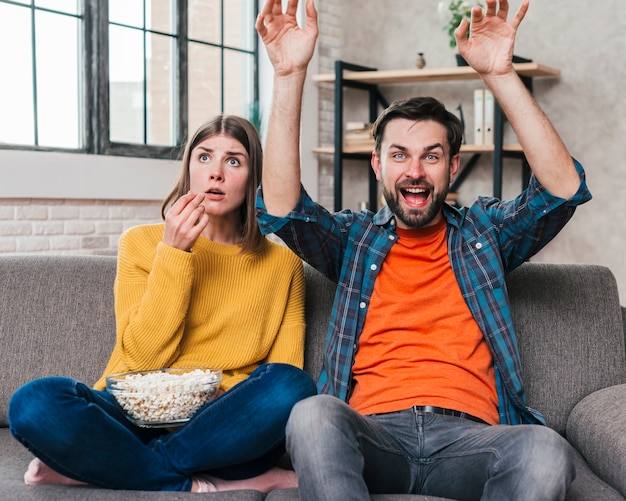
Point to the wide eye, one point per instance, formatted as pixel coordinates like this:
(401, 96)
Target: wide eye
(204, 157)
(234, 162)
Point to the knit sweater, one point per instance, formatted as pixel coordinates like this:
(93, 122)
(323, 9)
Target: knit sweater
(211, 307)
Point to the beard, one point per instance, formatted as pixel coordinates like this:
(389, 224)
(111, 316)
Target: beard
(415, 218)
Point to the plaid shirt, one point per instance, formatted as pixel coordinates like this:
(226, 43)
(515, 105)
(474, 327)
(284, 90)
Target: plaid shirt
(485, 242)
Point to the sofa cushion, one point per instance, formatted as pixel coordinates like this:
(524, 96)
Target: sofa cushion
(569, 327)
(597, 428)
(319, 296)
(57, 319)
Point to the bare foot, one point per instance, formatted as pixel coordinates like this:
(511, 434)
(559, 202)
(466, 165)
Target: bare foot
(39, 474)
(276, 478)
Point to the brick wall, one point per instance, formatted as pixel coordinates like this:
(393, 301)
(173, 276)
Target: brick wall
(329, 48)
(48, 226)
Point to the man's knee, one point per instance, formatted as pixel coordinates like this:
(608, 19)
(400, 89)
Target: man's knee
(314, 418)
(546, 459)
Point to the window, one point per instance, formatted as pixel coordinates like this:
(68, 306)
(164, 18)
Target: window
(123, 77)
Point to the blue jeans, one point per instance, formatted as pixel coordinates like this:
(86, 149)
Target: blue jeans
(82, 433)
(341, 454)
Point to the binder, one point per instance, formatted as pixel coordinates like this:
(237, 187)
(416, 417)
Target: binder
(479, 110)
(488, 117)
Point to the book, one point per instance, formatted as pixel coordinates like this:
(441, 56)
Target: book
(358, 126)
(356, 136)
(488, 117)
(479, 108)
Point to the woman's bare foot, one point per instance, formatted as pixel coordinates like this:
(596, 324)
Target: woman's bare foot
(276, 478)
(39, 474)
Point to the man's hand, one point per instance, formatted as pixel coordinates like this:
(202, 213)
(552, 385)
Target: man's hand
(289, 47)
(185, 221)
(489, 48)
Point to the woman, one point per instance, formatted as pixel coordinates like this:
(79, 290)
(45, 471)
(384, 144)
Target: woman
(203, 289)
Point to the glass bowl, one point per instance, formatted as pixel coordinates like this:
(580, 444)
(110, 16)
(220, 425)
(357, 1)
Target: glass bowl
(163, 397)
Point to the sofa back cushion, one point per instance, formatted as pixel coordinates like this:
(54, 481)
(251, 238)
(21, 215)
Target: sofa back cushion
(570, 334)
(319, 297)
(56, 318)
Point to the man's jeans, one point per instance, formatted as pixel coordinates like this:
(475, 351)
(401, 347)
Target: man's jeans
(340, 454)
(82, 433)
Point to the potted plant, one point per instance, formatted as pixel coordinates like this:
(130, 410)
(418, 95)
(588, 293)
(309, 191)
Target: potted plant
(454, 11)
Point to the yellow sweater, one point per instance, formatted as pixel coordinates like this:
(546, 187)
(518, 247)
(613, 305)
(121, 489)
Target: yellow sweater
(210, 307)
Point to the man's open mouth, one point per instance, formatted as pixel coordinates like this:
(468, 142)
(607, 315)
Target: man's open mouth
(416, 197)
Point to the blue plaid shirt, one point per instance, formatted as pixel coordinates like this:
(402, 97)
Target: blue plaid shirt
(485, 242)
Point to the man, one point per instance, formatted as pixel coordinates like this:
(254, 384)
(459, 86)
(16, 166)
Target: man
(421, 387)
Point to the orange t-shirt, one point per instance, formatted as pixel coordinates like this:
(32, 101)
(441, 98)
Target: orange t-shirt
(420, 344)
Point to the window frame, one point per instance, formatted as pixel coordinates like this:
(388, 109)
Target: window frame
(94, 56)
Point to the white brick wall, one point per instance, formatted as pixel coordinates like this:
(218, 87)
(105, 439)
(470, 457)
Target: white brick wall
(50, 226)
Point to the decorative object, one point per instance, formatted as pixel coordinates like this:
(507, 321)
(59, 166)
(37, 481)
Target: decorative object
(454, 11)
(420, 62)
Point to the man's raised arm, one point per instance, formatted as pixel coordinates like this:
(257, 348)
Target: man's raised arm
(489, 51)
(290, 49)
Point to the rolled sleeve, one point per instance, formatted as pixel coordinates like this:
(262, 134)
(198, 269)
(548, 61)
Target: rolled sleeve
(303, 211)
(543, 202)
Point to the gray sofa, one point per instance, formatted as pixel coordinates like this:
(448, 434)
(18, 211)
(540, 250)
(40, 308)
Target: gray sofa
(56, 318)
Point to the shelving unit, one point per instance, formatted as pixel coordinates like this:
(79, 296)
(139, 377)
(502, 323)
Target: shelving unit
(369, 79)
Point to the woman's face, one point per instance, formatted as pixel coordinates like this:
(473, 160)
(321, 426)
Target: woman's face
(219, 167)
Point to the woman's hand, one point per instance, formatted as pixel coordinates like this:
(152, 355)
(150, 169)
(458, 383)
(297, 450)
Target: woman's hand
(185, 221)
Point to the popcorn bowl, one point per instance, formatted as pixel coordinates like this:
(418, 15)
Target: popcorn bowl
(163, 397)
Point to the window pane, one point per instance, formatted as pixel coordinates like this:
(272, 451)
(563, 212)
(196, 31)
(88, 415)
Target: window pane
(238, 80)
(160, 16)
(205, 84)
(239, 17)
(16, 93)
(204, 21)
(129, 12)
(126, 85)
(161, 96)
(58, 95)
(69, 6)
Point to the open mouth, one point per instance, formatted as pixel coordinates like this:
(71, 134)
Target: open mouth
(416, 197)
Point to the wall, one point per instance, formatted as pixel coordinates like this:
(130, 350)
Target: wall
(76, 203)
(586, 103)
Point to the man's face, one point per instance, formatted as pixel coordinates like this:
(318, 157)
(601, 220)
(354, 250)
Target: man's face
(415, 170)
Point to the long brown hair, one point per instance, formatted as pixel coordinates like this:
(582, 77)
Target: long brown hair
(243, 131)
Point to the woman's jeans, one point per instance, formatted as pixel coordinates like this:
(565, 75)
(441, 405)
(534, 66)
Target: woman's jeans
(341, 454)
(82, 433)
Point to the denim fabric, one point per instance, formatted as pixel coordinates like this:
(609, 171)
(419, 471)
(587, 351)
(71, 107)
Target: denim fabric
(81, 432)
(340, 454)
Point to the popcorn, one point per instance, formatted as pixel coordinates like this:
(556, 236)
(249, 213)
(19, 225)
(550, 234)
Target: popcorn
(165, 396)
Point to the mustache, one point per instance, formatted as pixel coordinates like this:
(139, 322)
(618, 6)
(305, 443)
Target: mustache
(413, 182)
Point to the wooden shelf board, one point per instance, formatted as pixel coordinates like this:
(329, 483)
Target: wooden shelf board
(465, 148)
(432, 74)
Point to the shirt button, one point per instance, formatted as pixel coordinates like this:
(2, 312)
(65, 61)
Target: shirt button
(373, 267)
(479, 245)
(392, 237)
(362, 304)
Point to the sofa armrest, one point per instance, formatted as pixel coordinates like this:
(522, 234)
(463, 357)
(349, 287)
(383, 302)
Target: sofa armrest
(597, 428)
